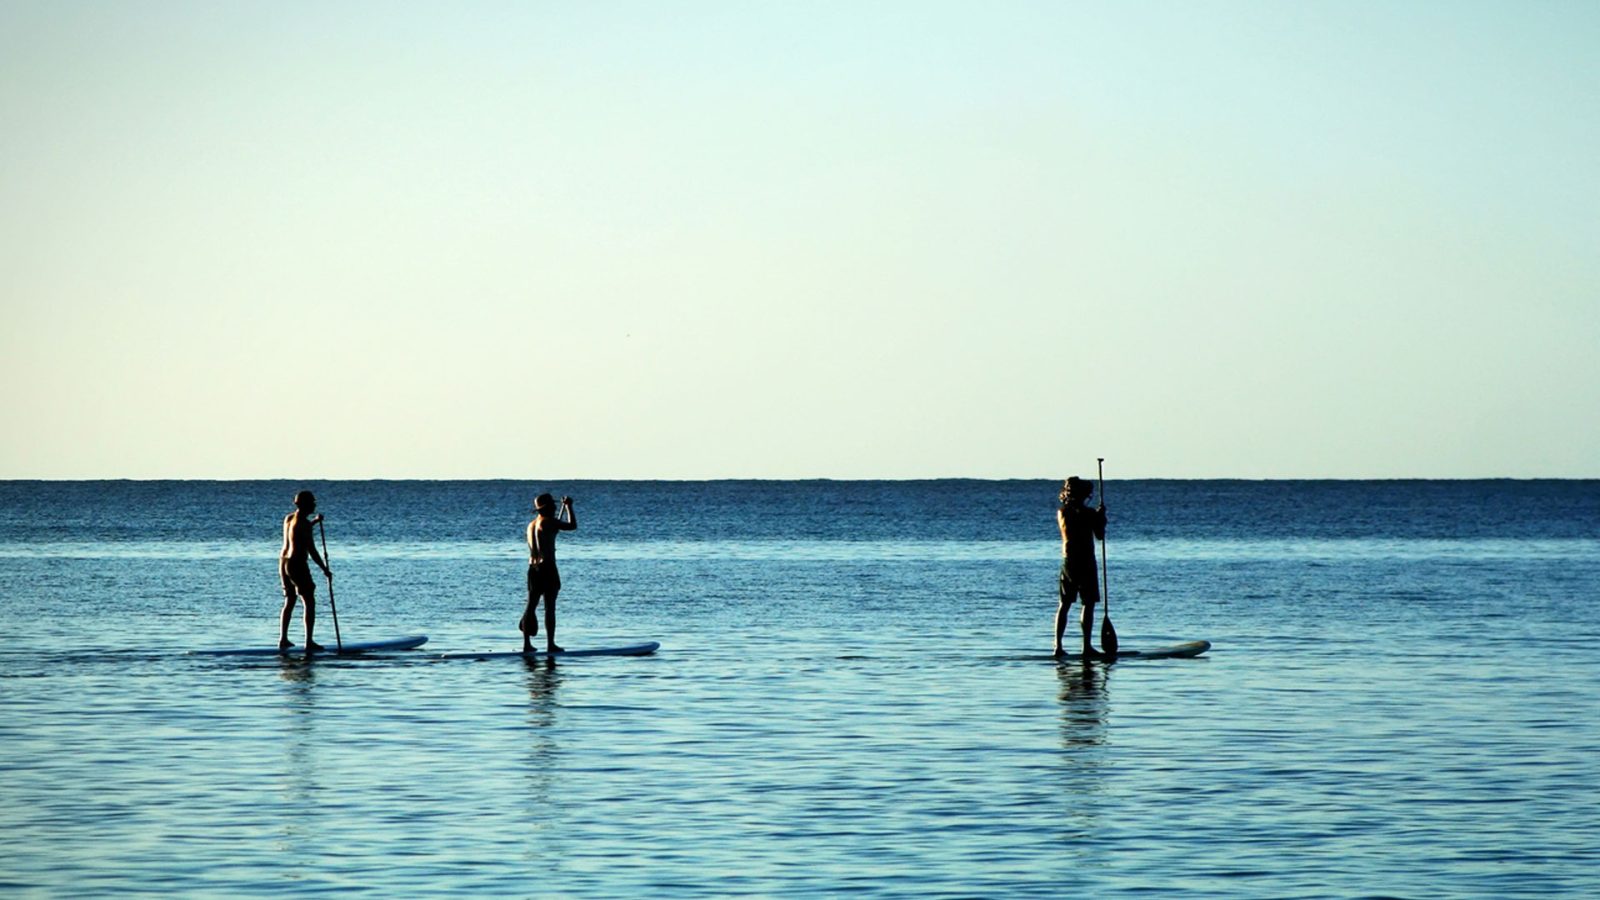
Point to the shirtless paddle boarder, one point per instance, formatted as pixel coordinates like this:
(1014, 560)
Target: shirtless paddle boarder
(294, 571)
(1079, 526)
(543, 579)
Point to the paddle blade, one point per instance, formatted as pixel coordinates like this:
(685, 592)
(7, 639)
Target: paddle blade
(1108, 636)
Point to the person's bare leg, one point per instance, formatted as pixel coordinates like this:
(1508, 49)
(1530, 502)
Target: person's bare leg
(1087, 621)
(283, 622)
(529, 623)
(310, 600)
(550, 622)
(1061, 627)
(530, 616)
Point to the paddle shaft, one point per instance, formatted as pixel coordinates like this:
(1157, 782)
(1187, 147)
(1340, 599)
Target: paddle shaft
(1108, 632)
(334, 607)
(1105, 586)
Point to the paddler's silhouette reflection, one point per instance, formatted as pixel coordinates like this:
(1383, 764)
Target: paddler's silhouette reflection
(1079, 776)
(296, 668)
(544, 678)
(301, 765)
(1083, 704)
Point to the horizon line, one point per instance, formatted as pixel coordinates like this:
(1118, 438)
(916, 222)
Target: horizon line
(810, 478)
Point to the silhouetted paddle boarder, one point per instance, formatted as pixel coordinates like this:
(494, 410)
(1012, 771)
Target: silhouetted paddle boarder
(1079, 526)
(295, 572)
(544, 581)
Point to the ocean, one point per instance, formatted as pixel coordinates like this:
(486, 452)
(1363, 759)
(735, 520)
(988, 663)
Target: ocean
(853, 693)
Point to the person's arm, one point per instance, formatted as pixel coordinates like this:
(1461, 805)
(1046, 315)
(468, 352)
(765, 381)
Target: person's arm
(311, 544)
(1061, 523)
(571, 522)
(1100, 522)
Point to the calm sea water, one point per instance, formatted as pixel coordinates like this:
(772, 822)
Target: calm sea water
(852, 695)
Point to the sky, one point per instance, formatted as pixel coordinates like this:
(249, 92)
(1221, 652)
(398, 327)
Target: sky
(794, 240)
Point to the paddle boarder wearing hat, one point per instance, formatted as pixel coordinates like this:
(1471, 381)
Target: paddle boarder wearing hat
(543, 578)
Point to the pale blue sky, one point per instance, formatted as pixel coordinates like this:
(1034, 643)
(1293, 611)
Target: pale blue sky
(809, 239)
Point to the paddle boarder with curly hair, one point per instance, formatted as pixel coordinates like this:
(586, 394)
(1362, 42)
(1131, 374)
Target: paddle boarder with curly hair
(1079, 527)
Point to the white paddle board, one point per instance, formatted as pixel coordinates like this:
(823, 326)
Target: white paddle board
(644, 649)
(329, 649)
(1175, 651)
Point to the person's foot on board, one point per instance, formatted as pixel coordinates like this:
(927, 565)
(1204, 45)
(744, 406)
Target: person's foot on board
(1058, 653)
(554, 649)
(314, 647)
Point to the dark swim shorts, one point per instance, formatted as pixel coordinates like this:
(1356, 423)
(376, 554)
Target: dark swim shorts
(1078, 580)
(543, 580)
(296, 578)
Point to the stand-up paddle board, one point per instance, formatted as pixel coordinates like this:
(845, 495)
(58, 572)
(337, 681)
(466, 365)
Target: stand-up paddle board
(405, 643)
(1176, 651)
(644, 649)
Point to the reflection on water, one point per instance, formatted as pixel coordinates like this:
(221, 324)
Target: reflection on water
(296, 669)
(543, 678)
(298, 785)
(1080, 774)
(1083, 704)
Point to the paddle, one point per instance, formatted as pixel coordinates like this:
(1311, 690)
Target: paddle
(323, 532)
(1108, 634)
